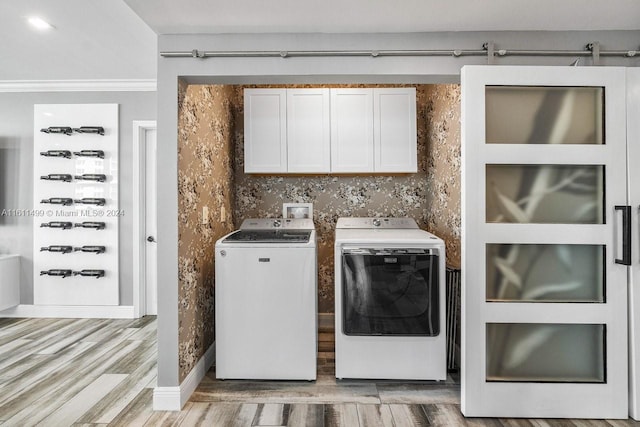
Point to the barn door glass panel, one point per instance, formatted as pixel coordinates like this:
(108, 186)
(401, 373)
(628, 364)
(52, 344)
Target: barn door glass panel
(545, 273)
(544, 115)
(541, 352)
(545, 194)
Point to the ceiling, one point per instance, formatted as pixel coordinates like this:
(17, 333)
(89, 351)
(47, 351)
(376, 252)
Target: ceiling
(337, 16)
(92, 39)
(116, 39)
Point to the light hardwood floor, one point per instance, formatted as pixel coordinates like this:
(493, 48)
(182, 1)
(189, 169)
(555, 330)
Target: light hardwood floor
(95, 372)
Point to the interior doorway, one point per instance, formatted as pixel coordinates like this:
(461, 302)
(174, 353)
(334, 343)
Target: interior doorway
(145, 288)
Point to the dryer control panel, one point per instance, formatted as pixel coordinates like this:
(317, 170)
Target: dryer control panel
(373, 223)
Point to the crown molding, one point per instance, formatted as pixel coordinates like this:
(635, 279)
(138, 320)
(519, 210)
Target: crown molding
(103, 85)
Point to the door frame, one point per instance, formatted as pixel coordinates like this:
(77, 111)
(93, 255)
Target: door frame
(140, 128)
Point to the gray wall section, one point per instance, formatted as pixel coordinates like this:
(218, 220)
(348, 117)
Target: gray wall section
(16, 173)
(316, 70)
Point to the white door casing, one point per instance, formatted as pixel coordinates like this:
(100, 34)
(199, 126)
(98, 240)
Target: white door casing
(483, 392)
(145, 217)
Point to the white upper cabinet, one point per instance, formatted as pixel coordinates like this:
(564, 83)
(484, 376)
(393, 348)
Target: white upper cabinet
(394, 130)
(265, 137)
(351, 130)
(308, 132)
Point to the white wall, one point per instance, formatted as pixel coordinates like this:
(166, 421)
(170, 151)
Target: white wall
(16, 173)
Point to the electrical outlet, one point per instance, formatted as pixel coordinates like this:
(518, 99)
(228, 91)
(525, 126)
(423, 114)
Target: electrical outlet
(223, 214)
(205, 215)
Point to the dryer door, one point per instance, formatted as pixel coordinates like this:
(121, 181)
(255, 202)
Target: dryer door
(390, 292)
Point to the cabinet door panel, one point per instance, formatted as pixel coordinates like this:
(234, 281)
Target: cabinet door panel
(308, 131)
(265, 138)
(351, 130)
(395, 130)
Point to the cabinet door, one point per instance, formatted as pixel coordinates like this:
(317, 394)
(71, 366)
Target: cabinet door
(308, 131)
(394, 130)
(351, 130)
(544, 294)
(265, 124)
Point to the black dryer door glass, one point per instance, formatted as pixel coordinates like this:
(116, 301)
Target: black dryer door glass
(390, 292)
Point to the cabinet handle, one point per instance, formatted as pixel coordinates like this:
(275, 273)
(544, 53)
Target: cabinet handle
(626, 235)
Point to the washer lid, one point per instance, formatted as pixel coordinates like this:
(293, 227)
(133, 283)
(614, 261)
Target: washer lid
(269, 236)
(376, 223)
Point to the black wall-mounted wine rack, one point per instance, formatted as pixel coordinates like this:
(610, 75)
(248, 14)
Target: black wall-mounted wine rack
(76, 232)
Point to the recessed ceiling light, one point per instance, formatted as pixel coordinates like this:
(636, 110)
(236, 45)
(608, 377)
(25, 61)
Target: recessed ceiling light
(39, 23)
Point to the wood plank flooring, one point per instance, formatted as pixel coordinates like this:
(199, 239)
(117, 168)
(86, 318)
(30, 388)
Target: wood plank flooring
(97, 372)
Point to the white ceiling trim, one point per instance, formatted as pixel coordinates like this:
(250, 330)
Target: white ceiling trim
(103, 85)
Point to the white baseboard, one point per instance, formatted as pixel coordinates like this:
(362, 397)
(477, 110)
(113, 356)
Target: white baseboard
(71, 311)
(174, 398)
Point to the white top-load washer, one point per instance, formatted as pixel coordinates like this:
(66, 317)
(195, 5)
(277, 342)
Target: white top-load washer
(266, 301)
(389, 300)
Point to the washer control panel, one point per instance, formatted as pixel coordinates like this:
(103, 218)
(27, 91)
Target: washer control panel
(373, 223)
(277, 224)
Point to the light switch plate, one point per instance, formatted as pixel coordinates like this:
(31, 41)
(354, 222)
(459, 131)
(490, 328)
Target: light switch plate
(205, 215)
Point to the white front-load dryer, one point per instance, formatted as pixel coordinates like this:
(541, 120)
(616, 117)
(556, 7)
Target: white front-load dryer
(389, 300)
(266, 301)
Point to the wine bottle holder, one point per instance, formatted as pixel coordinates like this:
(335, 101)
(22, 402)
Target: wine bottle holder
(64, 177)
(97, 177)
(57, 248)
(65, 130)
(96, 225)
(64, 201)
(89, 153)
(56, 153)
(64, 273)
(98, 201)
(91, 249)
(64, 225)
(56, 272)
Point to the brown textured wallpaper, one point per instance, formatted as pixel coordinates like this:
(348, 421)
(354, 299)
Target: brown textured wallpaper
(211, 125)
(205, 178)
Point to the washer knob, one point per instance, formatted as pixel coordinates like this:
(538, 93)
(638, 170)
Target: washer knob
(277, 223)
(376, 222)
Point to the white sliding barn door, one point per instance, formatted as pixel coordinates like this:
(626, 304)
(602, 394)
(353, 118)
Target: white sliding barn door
(544, 300)
(633, 141)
